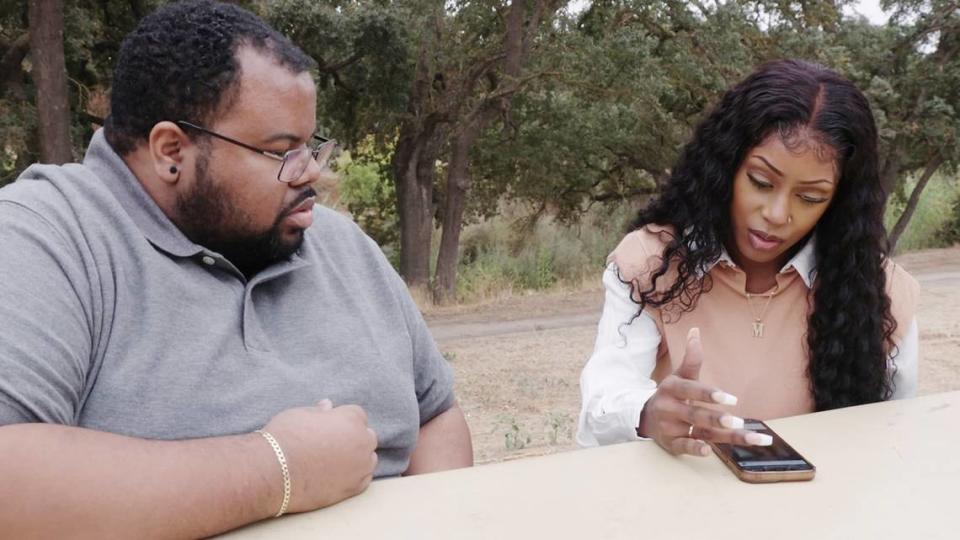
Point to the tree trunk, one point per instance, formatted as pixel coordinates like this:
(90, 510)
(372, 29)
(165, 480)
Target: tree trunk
(516, 44)
(50, 77)
(458, 186)
(901, 225)
(890, 170)
(413, 164)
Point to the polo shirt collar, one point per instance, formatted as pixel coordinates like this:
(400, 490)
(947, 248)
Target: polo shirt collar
(804, 262)
(106, 164)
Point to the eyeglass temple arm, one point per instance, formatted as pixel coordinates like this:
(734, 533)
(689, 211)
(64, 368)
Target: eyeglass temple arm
(230, 139)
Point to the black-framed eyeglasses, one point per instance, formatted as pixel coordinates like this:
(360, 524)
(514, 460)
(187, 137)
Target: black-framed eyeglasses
(292, 162)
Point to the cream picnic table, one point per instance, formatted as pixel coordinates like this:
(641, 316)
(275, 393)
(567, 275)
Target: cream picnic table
(884, 471)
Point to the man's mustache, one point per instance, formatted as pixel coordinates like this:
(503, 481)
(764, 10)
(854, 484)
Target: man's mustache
(302, 196)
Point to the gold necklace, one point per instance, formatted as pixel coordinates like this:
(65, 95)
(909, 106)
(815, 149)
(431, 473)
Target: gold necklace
(758, 317)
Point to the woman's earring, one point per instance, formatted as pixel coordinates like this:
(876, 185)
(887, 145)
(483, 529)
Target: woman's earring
(173, 169)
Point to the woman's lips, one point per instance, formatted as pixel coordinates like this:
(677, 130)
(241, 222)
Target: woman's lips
(764, 242)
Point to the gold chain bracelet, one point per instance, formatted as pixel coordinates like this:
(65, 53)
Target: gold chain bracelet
(283, 468)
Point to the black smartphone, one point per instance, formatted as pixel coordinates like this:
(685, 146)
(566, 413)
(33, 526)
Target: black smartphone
(778, 462)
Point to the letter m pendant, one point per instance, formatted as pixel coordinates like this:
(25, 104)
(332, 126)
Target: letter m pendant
(757, 329)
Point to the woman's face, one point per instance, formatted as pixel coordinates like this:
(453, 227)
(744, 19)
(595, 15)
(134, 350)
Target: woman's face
(779, 194)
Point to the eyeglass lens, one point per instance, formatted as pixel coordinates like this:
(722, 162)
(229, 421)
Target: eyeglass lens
(295, 162)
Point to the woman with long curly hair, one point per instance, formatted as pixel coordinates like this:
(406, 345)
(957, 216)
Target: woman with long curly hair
(758, 283)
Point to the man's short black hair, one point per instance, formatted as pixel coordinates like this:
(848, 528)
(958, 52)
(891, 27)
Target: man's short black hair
(180, 64)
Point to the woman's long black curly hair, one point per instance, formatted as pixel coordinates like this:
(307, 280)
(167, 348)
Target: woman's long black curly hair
(850, 326)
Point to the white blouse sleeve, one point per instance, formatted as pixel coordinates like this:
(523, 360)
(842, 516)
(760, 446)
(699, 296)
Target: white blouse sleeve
(906, 358)
(615, 383)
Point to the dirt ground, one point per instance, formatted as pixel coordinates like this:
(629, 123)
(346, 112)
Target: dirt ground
(517, 360)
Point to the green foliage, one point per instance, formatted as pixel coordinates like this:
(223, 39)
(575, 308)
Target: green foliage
(369, 195)
(509, 254)
(950, 232)
(934, 223)
(93, 32)
(364, 52)
(609, 95)
(17, 114)
(17, 127)
(622, 87)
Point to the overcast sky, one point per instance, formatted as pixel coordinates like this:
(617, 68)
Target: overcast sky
(871, 10)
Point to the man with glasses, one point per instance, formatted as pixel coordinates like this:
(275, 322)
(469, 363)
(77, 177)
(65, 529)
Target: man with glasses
(187, 343)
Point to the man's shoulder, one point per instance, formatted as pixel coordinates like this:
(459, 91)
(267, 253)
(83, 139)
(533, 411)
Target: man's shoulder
(52, 193)
(53, 184)
(326, 218)
(336, 233)
(338, 246)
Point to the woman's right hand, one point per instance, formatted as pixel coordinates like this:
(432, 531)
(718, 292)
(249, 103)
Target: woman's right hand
(675, 418)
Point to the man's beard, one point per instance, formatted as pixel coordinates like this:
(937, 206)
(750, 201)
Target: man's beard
(207, 217)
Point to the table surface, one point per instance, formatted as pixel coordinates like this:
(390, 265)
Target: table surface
(887, 470)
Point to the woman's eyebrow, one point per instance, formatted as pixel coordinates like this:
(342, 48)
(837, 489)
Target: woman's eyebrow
(778, 171)
(763, 159)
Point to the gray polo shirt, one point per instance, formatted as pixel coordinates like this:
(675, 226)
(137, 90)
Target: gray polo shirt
(111, 319)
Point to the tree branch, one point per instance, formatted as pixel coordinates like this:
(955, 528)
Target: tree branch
(338, 66)
(935, 24)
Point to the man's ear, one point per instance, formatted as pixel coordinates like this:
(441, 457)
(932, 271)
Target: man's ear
(167, 143)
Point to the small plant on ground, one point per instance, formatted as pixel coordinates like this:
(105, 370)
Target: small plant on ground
(515, 436)
(559, 427)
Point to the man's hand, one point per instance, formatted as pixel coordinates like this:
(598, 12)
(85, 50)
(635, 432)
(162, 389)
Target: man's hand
(330, 453)
(64, 481)
(673, 418)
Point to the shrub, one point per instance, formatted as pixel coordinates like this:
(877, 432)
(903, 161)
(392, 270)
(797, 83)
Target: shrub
(933, 213)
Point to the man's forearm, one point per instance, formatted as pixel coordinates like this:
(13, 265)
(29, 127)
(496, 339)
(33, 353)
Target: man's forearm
(60, 480)
(443, 443)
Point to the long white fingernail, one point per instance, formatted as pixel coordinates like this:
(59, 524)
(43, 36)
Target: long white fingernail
(723, 398)
(732, 422)
(694, 333)
(759, 439)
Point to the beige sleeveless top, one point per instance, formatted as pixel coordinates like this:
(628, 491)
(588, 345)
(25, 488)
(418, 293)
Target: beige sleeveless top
(767, 373)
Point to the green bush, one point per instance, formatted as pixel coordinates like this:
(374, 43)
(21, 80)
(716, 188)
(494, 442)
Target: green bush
(369, 195)
(931, 221)
(950, 233)
(17, 125)
(499, 256)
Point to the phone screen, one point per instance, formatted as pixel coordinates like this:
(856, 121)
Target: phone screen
(779, 456)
